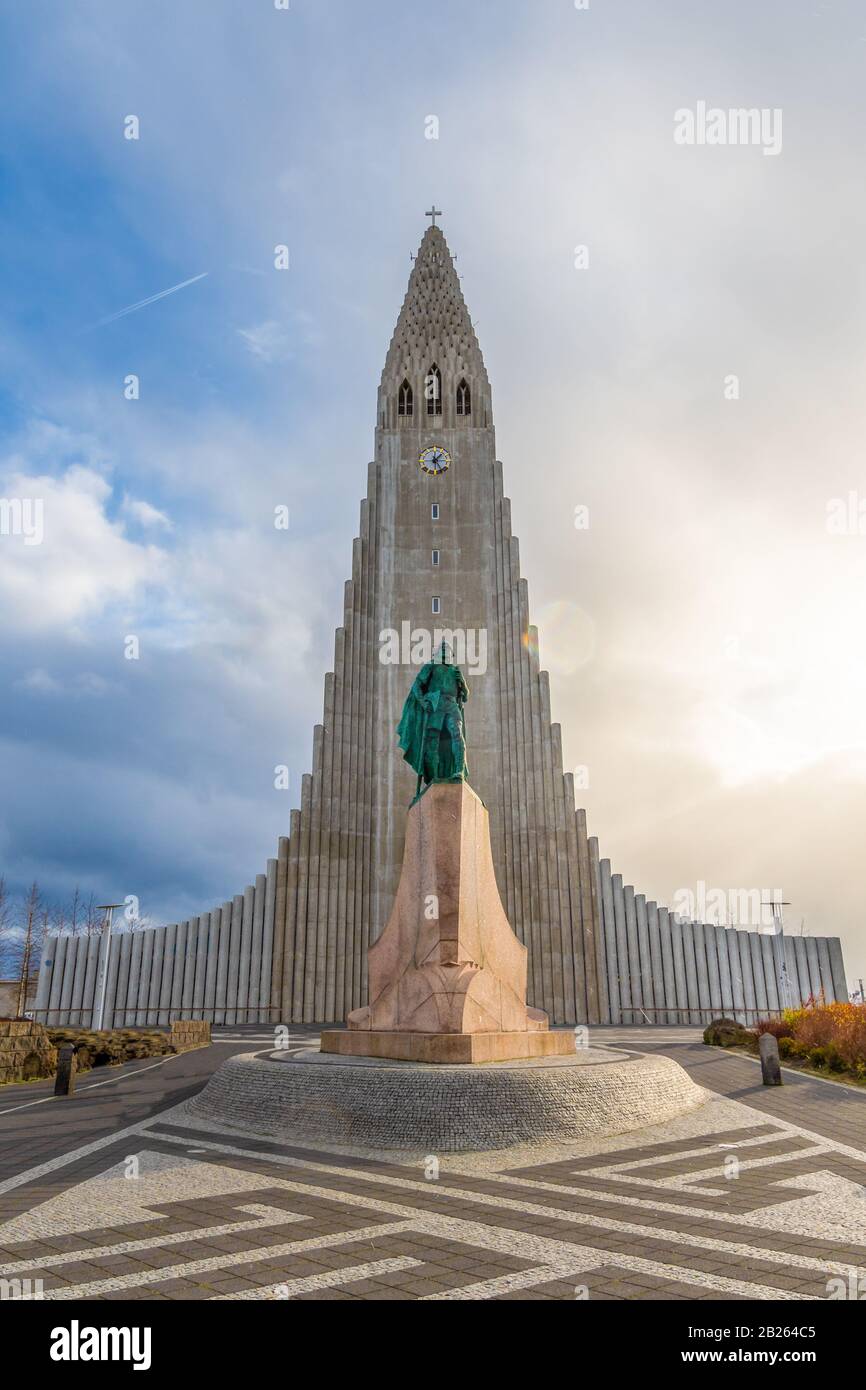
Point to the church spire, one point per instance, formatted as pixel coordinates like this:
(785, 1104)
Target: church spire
(434, 334)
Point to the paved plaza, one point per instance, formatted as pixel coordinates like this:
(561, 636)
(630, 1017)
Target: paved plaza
(759, 1194)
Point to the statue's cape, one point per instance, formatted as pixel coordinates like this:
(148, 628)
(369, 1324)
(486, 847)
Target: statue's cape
(410, 730)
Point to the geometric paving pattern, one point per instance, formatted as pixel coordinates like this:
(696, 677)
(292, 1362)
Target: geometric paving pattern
(720, 1205)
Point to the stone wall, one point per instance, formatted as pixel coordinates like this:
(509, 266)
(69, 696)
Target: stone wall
(187, 1033)
(26, 1054)
(662, 969)
(653, 968)
(215, 967)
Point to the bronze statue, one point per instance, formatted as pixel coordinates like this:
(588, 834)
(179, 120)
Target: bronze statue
(431, 731)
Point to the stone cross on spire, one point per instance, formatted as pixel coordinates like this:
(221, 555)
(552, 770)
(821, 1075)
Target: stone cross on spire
(434, 213)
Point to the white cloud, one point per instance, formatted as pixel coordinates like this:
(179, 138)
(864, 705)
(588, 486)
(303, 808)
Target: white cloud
(268, 341)
(41, 682)
(145, 514)
(84, 563)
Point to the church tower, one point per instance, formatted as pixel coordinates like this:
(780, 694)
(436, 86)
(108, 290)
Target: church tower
(435, 556)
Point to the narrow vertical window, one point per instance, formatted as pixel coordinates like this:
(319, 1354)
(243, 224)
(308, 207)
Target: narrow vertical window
(437, 604)
(404, 399)
(434, 511)
(433, 391)
(464, 400)
(434, 557)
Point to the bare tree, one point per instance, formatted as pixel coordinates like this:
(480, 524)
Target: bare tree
(26, 922)
(7, 932)
(75, 910)
(94, 920)
(32, 913)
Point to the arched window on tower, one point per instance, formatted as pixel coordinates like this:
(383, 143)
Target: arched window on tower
(464, 400)
(404, 399)
(433, 391)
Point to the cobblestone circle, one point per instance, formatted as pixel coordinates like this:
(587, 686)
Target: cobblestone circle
(445, 1109)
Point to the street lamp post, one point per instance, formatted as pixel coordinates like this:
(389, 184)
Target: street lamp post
(102, 972)
(778, 948)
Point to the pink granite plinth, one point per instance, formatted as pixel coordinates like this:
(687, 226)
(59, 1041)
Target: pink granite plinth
(449, 1048)
(448, 968)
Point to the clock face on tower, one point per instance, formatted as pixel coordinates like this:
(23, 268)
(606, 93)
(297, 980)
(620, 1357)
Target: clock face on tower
(436, 459)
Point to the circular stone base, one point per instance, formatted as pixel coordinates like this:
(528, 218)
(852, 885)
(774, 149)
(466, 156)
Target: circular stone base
(362, 1102)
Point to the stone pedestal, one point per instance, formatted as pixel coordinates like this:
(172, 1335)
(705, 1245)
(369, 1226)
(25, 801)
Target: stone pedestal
(312, 1098)
(447, 977)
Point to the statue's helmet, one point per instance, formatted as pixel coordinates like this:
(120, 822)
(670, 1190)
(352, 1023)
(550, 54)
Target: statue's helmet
(444, 655)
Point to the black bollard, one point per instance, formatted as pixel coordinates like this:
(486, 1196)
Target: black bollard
(771, 1071)
(64, 1084)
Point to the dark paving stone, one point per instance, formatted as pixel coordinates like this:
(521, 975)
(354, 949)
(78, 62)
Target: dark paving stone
(700, 1215)
(834, 1111)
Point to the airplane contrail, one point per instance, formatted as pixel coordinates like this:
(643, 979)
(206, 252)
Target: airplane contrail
(140, 304)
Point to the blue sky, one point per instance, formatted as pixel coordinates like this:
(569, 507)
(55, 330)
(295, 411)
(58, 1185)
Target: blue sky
(703, 638)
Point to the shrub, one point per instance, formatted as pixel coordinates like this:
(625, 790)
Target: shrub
(110, 1047)
(827, 1035)
(779, 1027)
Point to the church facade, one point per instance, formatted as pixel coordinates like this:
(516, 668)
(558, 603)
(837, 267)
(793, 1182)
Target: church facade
(435, 558)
